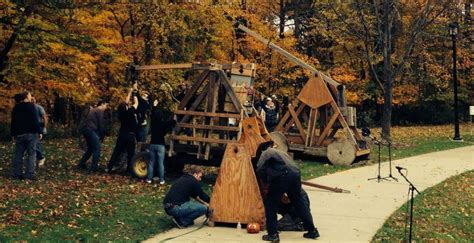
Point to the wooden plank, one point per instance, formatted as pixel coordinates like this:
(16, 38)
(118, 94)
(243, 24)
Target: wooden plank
(236, 195)
(201, 139)
(209, 114)
(297, 122)
(298, 111)
(214, 85)
(315, 93)
(191, 92)
(312, 131)
(251, 135)
(230, 91)
(327, 128)
(344, 124)
(192, 108)
(208, 127)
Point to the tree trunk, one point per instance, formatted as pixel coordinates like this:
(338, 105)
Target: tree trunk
(387, 71)
(281, 24)
(11, 41)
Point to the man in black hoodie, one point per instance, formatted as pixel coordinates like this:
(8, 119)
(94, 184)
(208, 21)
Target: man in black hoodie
(277, 169)
(25, 132)
(126, 140)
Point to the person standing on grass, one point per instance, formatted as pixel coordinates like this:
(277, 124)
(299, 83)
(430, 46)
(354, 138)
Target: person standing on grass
(25, 131)
(178, 204)
(277, 169)
(159, 127)
(43, 120)
(93, 130)
(126, 139)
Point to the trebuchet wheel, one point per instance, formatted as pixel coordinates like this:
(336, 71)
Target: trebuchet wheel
(341, 152)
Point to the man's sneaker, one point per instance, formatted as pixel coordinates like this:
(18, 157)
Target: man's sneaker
(162, 182)
(41, 162)
(311, 235)
(148, 181)
(272, 238)
(178, 223)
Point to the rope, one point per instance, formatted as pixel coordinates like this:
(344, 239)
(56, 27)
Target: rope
(189, 232)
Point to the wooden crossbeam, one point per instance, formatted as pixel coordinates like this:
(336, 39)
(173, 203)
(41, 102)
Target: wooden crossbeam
(208, 127)
(230, 91)
(201, 139)
(297, 122)
(298, 111)
(327, 128)
(208, 114)
(191, 92)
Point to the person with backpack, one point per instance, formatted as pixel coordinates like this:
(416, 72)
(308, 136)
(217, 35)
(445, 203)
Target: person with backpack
(93, 129)
(25, 131)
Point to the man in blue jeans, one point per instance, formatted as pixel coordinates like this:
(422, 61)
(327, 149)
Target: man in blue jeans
(93, 130)
(25, 131)
(178, 204)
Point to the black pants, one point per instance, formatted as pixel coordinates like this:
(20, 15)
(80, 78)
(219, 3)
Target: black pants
(125, 142)
(291, 185)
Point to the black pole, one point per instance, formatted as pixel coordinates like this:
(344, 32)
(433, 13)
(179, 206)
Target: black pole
(457, 136)
(411, 213)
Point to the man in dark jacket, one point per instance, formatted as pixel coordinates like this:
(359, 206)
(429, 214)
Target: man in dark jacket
(277, 169)
(126, 139)
(25, 131)
(178, 204)
(159, 128)
(93, 130)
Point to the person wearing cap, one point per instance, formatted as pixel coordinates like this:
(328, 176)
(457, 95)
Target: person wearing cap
(276, 169)
(269, 115)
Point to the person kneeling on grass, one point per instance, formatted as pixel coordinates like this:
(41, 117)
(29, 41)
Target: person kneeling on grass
(178, 204)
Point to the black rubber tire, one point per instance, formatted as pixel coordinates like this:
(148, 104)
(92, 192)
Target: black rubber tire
(140, 164)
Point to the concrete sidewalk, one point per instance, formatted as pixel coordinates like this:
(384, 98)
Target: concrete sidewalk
(353, 217)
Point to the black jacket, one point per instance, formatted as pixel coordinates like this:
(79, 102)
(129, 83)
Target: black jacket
(24, 119)
(159, 127)
(128, 119)
(183, 189)
(274, 163)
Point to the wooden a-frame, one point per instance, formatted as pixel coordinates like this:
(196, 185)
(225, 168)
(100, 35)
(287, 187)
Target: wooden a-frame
(202, 117)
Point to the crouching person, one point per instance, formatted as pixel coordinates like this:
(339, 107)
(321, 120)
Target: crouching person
(178, 204)
(278, 170)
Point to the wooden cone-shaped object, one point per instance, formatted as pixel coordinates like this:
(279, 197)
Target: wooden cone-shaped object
(236, 195)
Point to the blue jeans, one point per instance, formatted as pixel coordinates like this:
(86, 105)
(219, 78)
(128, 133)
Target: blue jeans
(39, 150)
(187, 212)
(142, 131)
(93, 148)
(157, 156)
(25, 142)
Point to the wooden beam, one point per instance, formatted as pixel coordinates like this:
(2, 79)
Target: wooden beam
(230, 91)
(298, 111)
(208, 127)
(327, 128)
(297, 122)
(344, 123)
(192, 108)
(208, 114)
(201, 139)
(191, 92)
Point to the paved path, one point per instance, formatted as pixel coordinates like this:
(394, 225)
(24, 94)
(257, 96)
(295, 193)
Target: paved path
(353, 217)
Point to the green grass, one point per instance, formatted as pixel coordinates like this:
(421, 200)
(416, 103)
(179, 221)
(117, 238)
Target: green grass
(315, 167)
(66, 204)
(444, 212)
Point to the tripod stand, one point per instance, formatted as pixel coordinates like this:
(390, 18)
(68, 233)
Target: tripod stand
(378, 177)
(411, 190)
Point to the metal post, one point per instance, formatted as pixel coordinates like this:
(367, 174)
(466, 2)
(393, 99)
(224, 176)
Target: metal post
(457, 136)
